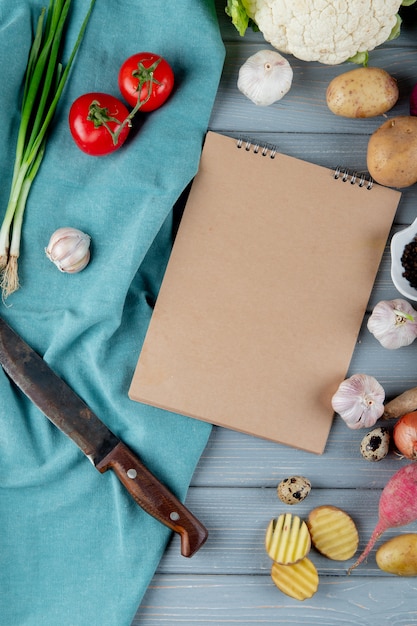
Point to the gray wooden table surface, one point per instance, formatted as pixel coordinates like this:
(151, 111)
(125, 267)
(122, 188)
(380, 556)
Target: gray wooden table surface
(233, 490)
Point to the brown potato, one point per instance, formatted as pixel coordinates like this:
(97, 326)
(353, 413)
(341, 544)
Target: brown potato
(392, 152)
(362, 92)
(399, 555)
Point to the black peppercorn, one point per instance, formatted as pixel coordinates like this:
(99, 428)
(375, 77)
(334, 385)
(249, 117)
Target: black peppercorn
(409, 262)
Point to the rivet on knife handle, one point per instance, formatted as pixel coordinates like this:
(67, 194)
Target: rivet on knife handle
(141, 484)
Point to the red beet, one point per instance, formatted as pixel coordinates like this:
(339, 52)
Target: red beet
(397, 505)
(413, 101)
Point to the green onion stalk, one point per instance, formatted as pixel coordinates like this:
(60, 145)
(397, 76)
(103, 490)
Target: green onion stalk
(45, 79)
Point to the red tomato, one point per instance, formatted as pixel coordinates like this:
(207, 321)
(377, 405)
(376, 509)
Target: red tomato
(94, 118)
(138, 73)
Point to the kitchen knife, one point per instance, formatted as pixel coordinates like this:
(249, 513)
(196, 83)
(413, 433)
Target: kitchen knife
(72, 416)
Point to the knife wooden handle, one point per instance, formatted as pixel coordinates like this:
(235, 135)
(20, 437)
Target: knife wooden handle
(152, 496)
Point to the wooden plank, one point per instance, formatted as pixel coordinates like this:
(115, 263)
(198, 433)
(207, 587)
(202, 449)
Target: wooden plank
(248, 600)
(234, 459)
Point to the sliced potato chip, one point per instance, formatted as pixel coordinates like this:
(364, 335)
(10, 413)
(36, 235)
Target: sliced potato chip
(287, 539)
(333, 532)
(299, 580)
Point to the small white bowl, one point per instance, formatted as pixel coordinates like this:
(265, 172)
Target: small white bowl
(398, 243)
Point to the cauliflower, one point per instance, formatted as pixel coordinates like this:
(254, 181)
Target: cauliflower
(327, 31)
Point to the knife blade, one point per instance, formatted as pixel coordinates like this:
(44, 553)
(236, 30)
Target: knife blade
(64, 408)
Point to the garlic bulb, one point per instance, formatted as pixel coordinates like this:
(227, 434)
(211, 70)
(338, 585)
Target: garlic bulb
(265, 77)
(69, 249)
(359, 400)
(393, 323)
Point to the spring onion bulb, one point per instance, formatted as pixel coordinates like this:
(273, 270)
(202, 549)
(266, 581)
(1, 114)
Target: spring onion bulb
(44, 82)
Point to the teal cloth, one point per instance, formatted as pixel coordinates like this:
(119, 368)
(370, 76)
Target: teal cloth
(75, 550)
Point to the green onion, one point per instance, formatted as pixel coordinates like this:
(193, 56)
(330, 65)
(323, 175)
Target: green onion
(44, 82)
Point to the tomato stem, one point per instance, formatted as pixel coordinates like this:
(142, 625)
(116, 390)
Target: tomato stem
(145, 75)
(100, 115)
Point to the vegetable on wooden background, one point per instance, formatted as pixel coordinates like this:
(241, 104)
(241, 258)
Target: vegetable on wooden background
(392, 152)
(405, 435)
(397, 506)
(399, 555)
(393, 323)
(333, 532)
(297, 580)
(362, 92)
(287, 539)
(44, 82)
(359, 400)
(265, 77)
(313, 31)
(402, 404)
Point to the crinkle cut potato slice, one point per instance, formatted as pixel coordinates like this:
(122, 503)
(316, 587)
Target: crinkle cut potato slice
(333, 532)
(299, 580)
(287, 539)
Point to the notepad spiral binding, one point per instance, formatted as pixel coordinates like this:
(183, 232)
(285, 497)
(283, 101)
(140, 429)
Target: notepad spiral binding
(362, 180)
(264, 150)
(353, 177)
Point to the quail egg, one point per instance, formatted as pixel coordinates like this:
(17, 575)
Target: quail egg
(293, 489)
(375, 445)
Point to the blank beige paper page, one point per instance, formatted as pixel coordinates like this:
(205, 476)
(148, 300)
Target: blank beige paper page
(264, 294)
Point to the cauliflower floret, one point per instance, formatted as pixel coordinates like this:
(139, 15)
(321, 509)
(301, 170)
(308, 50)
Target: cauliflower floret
(323, 30)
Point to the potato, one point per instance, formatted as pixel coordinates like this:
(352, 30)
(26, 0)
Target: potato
(392, 152)
(287, 539)
(299, 580)
(362, 92)
(399, 555)
(333, 532)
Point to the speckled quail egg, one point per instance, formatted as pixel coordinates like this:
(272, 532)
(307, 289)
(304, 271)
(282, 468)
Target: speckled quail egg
(375, 445)
(293, 489)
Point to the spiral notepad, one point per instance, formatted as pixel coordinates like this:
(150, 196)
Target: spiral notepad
(265, 293)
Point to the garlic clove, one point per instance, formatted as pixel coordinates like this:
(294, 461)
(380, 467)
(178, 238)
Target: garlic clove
(69, 249)
(359, 400)
(393, 323)
(265, 77)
